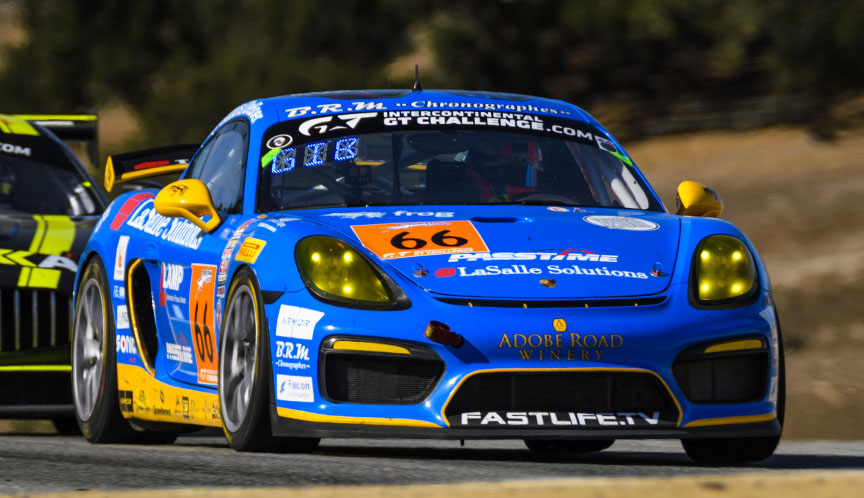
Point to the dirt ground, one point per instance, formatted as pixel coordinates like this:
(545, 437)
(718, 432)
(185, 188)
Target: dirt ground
(801, 202)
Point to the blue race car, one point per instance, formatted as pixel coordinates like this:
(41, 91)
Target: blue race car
(422, 264)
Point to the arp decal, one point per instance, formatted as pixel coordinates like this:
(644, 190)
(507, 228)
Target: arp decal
(250, 249)
(405, 240)
(202, 292)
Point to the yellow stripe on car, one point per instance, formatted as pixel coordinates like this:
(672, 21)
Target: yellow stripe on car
(373, 347)
(744, 419)
(734, 346)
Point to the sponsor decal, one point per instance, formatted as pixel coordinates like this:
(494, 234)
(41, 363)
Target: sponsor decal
(558, 209)
(464, 118)
(294, 388)
(220, 291)
(279, 141)
(119, 292)
(297, 365)
(489, 106)
(295, 112)
(557, 255)
(325, 124)
(496, 270)
(265, 226)
(249, 250)
(178, 352)
(174, 230)
(553, 419)
(125, 401)
(15, 149)
(622, 223)
(120, 258)
(172, 276)
(297, 322)
(128, 208)
(381, 214)
(291, 351)
(201, 296)
(561, 346)
(122, 317)
(126, 344)
(559, 324)
(404, 240)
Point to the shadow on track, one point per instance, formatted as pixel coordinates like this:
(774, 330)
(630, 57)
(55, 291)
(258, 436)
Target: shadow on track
(609, 457)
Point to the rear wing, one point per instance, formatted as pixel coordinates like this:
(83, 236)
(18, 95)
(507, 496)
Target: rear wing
(81, 128)
(122, 168)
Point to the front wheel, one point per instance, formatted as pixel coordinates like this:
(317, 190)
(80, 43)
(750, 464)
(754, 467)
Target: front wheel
(94, 367)
(244, 373)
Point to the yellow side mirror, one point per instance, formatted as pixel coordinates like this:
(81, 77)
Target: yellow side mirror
(188, 199)
(695, 199)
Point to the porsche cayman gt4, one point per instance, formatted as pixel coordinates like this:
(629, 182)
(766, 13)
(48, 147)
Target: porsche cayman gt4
(422, 264)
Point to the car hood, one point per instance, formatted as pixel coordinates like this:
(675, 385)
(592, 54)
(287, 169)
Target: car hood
(518, 252)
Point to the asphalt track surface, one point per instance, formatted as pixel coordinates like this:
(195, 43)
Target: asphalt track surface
(48, 463)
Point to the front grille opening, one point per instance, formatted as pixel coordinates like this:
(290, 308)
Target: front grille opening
(364, 378)
(561, 392)
(32, 319)
(736, 378)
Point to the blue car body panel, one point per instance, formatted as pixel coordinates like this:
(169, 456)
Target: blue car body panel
(585, 255)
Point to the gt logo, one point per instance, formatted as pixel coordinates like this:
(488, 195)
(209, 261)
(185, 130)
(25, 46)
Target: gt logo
(320, 126)
(291, 351)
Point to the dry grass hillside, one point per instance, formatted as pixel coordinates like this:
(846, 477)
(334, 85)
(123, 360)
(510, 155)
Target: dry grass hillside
(801, 202)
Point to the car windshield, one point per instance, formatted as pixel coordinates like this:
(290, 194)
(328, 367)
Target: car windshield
(320, 162)
(36, 187)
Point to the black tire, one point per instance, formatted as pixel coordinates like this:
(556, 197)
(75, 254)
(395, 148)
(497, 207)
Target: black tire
(66, 426)
(729, 451)
(248, 428)
(105, 422)
(568, 445)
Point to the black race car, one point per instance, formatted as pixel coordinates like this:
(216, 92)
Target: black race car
(49, 204)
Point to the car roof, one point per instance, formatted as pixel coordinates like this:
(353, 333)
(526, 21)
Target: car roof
(424, 99)
(268, 111)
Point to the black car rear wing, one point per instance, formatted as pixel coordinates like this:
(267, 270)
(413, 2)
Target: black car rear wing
(82, 128)
(122, 168)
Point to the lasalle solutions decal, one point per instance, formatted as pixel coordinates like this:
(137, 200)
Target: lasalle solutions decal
(561, 345)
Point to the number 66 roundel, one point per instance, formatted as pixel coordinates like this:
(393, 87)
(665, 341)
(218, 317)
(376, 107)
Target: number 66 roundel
(201, 321)
(404, 240)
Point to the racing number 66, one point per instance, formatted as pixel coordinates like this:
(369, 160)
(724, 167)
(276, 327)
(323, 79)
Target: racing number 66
(203, 339)
(440, 238)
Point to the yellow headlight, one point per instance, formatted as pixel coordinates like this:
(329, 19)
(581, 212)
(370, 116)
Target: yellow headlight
(339, 272)
(724, 269)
